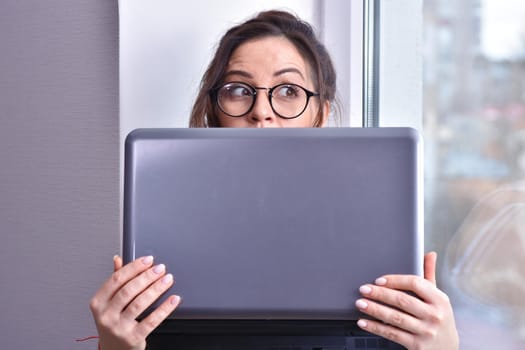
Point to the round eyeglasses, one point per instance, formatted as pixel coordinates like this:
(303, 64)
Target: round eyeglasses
(237, 99)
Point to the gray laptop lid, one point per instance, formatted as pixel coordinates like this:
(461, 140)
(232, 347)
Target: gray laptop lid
(274, 223)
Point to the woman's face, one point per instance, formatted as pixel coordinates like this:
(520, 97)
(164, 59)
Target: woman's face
(266, 63)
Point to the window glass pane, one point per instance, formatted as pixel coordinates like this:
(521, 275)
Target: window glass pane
(474, 128)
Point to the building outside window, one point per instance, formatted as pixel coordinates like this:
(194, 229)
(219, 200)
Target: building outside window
(474, 131)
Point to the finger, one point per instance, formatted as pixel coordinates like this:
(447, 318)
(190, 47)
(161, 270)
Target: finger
(153, 320)
(398, 299)
(390, 316)
(430, 267)
(419, 286)
(117, 263)
(148, 297)
(135, 287)
(122, 276)
(386, 331)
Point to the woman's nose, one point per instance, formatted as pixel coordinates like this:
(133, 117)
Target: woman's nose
(262, 112)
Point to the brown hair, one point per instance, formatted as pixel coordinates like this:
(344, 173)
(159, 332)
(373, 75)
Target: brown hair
(268, 23)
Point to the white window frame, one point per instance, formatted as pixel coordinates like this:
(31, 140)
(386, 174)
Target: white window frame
(400, 63)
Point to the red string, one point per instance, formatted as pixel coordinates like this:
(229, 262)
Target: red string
(89, 338)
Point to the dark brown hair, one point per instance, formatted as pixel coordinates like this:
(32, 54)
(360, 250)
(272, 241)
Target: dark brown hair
(265, 24)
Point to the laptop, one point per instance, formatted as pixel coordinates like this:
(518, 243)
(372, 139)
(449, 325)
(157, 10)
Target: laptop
(273, 227)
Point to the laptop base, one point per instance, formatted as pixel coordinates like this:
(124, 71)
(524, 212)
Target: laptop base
(264, 335)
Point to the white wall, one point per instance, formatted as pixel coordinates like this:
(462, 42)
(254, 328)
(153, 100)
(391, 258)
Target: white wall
(165, 47)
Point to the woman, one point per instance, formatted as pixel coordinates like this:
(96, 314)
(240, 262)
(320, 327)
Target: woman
(271, 71)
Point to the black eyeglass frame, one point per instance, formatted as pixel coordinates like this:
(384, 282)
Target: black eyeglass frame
(215, 97)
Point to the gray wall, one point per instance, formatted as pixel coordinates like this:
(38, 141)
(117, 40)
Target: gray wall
(59, 208)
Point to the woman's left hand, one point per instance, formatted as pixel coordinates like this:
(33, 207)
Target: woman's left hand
(422, 321)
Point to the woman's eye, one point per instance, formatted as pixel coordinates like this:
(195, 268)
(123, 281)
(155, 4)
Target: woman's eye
(238, 91)
(288, 91)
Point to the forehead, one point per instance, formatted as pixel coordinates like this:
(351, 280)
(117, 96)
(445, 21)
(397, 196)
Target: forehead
(265, 56)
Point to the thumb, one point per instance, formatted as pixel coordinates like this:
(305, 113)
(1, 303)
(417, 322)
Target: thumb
(429, 267)
(117, 263)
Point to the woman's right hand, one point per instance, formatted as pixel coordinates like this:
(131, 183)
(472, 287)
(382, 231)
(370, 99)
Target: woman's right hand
(129, 291)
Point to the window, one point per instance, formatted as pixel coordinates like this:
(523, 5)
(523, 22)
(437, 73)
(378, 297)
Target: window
(474, 131)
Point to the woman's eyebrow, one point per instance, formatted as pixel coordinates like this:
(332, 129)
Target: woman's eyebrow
(239, 72)
(245, 74)
(288, 70)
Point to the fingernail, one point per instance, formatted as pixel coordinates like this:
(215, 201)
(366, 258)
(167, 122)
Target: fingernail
(365, 289)
(361, 304)
(147, 260)
(362, 323)
(175, 300)
(381, 281)
(159, 269)
(115, 257)
(167, 279)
